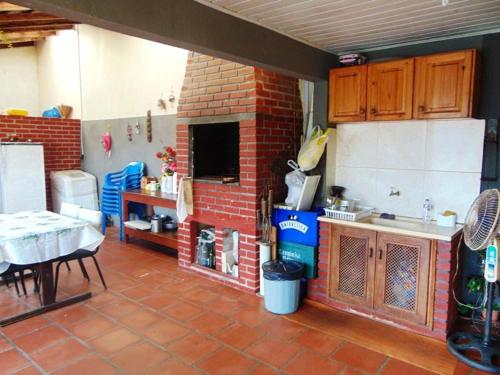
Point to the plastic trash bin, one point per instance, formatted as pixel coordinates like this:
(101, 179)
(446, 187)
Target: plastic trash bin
(282, 285)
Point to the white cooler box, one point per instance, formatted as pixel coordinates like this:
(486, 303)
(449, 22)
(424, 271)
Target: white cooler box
(74, 186)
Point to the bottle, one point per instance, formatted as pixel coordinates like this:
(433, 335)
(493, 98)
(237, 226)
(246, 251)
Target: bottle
(427, 218)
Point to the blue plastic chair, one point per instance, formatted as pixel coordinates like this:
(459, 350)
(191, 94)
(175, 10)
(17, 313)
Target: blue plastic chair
(114, 184)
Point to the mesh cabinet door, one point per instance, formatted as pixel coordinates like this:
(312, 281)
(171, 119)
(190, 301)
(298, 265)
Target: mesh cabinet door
(402, 277)
(352, 265)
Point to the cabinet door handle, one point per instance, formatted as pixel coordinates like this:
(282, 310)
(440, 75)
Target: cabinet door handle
(362, 111)
(373, 111)
(379, 253)
(421, 108)
(371, 252)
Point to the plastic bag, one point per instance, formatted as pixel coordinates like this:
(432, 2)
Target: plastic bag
(312, 149)
(295, 181)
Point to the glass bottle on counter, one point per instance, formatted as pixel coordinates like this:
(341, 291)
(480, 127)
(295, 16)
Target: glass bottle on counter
(427, 217)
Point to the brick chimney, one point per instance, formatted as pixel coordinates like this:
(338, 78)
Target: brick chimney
(268, 109)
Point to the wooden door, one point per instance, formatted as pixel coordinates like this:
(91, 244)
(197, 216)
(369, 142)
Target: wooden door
(444, 85)
(402, 277)
(347, 94)
(390, 90)
(352, 265)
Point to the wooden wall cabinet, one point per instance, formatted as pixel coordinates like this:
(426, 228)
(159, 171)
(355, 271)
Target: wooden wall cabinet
(390, 90)
(347, 93)
(426, 87)
(383, 272)
(444, 85)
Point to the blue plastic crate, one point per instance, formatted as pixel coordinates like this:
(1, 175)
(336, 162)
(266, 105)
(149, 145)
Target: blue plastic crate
(297, 226)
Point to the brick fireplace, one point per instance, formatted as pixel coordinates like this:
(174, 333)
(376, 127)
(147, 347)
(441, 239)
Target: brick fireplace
(267, 109)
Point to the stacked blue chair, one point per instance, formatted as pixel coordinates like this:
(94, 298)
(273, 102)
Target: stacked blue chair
(114, 184)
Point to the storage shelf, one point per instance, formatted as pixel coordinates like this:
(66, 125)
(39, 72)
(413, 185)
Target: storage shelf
(167, 239)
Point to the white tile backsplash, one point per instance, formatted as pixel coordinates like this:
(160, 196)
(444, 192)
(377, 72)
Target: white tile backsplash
(452, 191)
(439, 159)
(360, 183)
(401, 144)
(455, 145)
(409, 183)
(357, 145)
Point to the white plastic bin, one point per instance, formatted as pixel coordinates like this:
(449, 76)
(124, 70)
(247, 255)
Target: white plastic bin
(74, 186)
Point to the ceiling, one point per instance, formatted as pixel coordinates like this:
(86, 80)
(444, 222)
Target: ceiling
(341, 26)
(21, 26)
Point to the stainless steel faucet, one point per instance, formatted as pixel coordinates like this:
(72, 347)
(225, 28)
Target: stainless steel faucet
(393, 192)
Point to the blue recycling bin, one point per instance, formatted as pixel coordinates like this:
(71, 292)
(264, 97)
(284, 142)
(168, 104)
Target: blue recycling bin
(282, 285)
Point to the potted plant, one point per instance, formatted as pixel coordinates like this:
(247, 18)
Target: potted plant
(465, 310)
(168, 169)
(475, 285)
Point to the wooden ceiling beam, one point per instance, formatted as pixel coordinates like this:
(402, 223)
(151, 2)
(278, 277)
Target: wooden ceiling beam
(26, 35)
(30, 43)
(52, 27)
(28, 17)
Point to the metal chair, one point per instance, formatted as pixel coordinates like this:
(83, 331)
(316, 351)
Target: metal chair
(10, 274)
(94, 218)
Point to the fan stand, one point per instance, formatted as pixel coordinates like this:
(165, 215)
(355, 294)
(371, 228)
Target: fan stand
(459, 343)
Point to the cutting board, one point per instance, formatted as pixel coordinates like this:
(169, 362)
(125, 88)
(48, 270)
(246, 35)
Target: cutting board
(307, 194)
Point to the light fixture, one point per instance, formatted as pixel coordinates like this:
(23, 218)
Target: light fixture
(444, 2)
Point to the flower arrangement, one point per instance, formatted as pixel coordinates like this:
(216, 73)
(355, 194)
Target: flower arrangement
(169, 163)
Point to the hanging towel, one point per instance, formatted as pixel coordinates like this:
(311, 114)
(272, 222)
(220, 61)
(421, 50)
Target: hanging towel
(184, 199)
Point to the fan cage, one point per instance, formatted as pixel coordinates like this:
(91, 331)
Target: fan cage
(481, 222)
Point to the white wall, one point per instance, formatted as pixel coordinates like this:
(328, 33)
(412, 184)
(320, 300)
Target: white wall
(124, 76)
(19, 79)
(58, 71)
(439, 159)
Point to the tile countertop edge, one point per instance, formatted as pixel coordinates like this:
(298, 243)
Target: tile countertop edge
(438, 233)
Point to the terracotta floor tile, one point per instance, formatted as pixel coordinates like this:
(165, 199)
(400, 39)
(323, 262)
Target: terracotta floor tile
(359, 357)
(91, 328)
(193, 347)
(165, 331)
(252, 315)
(137, 358)
(282, 328)
(173, 366)
(12, 360)
(226, 362)
(348, 370)
(40, 339)
(199, 295)
(120, 308)
(28, 371)
(72, 314)
(395, 367)
(59, 355)
(317, 341)
(209, 322)
(223, 305)
(4, 345)
(91, 364)
(114, 341)
(140, 318)
(138, 292)
(26, 326)
(306, 361)
(239, 336)
(103, 298)
(182, 311)
(272, 351)
(159, 300)
(264, 370)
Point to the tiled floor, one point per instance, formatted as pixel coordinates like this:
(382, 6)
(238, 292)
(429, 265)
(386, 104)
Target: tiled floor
(158, 319)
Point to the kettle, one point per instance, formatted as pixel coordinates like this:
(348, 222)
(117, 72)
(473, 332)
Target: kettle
(156, 224)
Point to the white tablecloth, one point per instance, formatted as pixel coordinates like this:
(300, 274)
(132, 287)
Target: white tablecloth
(38, 236)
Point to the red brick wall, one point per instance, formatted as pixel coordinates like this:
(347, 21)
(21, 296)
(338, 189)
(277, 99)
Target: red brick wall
(60, 138)
(444, 307)
(272, 126)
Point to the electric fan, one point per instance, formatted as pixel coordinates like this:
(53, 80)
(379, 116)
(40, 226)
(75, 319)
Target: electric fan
(481, 231)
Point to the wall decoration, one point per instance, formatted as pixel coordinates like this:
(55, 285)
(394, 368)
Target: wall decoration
(107, 142)
(162, 104)
(137, 128)
(149, 127)
(129, 132)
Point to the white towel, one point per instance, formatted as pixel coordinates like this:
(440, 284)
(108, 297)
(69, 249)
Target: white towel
(184, 199)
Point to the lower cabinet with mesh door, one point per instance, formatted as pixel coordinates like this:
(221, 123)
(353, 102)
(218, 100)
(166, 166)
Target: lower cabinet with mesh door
(384, 272)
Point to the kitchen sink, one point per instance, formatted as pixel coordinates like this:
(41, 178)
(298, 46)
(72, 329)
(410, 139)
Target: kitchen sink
(401, 224)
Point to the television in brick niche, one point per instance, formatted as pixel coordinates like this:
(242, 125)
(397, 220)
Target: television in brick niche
(215, 152)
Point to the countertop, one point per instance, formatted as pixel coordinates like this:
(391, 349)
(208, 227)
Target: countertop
(401, 226)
